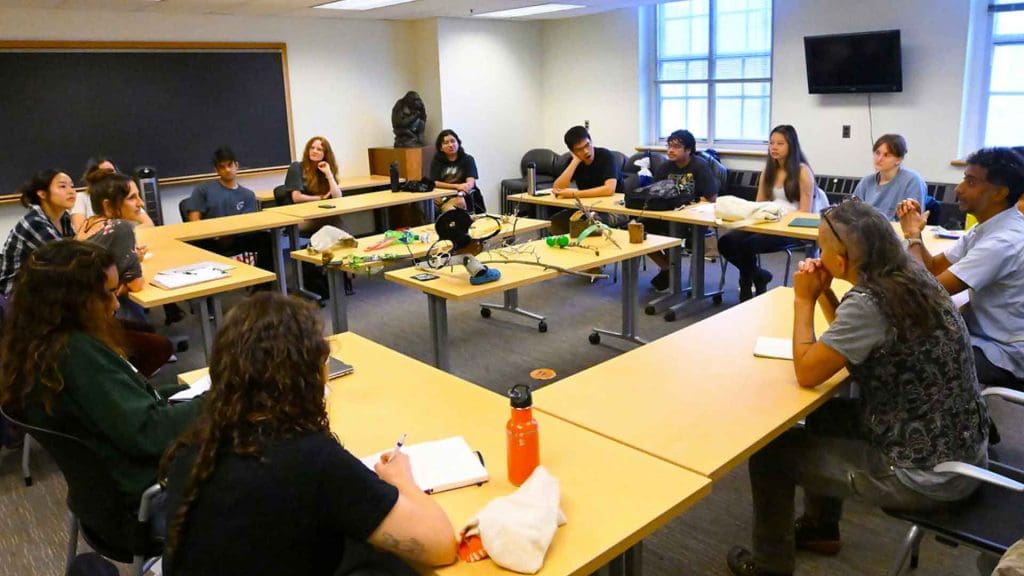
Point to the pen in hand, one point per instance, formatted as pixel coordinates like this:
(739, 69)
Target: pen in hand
(398, 446)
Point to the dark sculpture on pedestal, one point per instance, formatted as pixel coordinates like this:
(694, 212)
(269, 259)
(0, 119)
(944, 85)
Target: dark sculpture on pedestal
(409, 120)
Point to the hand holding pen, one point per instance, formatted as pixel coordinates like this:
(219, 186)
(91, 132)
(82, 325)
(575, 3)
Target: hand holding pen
(398, 447)
(394, 467)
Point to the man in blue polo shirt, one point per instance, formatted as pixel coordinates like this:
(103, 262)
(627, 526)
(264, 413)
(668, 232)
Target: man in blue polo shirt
(988, 261)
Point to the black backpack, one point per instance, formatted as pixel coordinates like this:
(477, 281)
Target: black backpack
(661, 196)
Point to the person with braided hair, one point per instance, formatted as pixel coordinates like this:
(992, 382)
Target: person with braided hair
(261, 464)
(63, 368)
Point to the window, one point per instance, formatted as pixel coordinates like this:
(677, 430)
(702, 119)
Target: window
(714, 68)
(1004, 125)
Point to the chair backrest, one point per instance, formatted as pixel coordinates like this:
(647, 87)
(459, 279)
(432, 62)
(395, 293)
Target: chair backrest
(562, 163)
(107, 515)
(184, 207)
(543, 158)
(283, 196)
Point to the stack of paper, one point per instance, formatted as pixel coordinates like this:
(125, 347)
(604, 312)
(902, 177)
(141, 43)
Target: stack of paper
(440, 465)
(191, 274)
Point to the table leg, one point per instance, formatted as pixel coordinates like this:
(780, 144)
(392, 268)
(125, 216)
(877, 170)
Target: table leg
(205, 326)
(300, 283)
(677, 291)
(630, 271)
(633, 559)
(428, 209)
(385, 219)
(696, 273)
(339, 302)
(438, 308)
(279, 264)
(511, 305)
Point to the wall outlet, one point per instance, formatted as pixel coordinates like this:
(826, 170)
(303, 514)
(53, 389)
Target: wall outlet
(846, 130)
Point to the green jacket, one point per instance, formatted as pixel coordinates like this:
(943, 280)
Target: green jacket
(106, 404)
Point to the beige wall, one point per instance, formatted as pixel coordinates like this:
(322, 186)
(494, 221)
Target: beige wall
(491, 93)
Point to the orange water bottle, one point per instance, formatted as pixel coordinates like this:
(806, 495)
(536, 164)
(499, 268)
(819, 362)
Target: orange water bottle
(522, 436)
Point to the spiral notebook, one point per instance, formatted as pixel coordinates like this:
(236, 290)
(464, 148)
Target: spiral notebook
(190, 274)
(440, 465)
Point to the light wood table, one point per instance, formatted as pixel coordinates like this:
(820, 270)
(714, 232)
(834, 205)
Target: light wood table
(453, 283)
(275, 223)
(698, 398)
(613, 496)
(700, 217)
(165, 253)
(359, 203)
(346, 184)
(336, 269)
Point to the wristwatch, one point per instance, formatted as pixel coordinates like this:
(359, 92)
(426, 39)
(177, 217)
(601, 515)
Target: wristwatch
(908, 242)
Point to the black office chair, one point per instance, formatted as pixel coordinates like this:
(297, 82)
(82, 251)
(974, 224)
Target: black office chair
(112, 522)
(989, 521)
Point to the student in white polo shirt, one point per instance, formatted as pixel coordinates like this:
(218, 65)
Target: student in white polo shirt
(988, 261)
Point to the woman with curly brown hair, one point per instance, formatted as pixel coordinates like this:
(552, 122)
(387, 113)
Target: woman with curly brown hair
(261, 464)
(64, 368)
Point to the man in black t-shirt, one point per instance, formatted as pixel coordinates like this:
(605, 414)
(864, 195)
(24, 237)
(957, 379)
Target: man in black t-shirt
(594, 169)
(684, 164)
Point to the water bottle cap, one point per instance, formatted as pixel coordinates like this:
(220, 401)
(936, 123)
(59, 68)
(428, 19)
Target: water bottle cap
(520, 396)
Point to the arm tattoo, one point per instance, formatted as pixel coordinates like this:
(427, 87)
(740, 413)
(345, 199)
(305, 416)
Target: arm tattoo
(409, 547)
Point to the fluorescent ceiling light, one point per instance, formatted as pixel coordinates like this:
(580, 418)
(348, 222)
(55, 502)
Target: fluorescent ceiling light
(360, 4)
(529, 10)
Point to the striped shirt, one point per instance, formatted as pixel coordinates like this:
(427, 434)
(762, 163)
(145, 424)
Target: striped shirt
(32, 231)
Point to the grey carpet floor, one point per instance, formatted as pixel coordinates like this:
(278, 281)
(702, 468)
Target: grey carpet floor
(496, 353)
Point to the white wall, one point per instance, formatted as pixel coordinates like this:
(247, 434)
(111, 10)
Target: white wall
(423, 70)
(491, 93)
(344, 75)
(591, 72)
(928, 111)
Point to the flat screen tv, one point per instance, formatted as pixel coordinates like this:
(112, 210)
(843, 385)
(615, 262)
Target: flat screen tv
(849, 63)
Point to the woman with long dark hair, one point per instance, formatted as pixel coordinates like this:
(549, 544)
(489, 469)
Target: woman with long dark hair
(261, 464)
(453, 169)
(63, 367)
(906, 346)
(786, 180)
(48, 196)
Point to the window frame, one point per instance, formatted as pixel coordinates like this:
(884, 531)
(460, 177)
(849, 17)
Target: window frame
(710, 82)
(991, 41)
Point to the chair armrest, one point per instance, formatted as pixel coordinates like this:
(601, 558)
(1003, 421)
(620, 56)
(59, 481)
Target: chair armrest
(146, 500)
(979, 473)
(1007, 394)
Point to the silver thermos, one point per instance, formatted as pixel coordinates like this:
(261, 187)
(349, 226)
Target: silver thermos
(531, 179)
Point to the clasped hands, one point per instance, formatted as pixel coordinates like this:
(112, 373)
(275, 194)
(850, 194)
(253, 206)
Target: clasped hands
(912, 221)
(811, 279)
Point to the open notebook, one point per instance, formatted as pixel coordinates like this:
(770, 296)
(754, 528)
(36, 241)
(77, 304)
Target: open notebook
(440, 465)
(191, 274)
(781, 348)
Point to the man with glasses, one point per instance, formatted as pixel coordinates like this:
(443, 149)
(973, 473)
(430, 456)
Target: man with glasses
(685, 165)
(988, 261)
(594, 169)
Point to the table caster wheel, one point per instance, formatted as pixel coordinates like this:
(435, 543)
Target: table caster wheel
(650, 311)
(594, 338)
(485, 312)
(670, 316)
(717, 299)
(542, 326)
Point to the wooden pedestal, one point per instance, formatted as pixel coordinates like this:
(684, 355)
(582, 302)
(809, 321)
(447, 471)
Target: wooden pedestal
(413, 163)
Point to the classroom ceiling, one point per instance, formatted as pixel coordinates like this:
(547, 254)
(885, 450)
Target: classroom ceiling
(303, 8)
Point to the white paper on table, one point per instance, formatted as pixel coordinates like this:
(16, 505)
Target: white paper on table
(198, 387)
(780, 348)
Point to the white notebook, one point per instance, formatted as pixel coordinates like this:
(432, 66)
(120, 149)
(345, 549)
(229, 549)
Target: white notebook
(191, 274)
(440, 465)
(781, 348)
